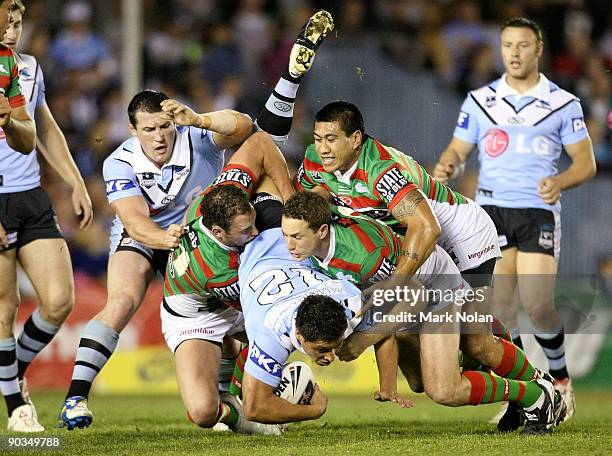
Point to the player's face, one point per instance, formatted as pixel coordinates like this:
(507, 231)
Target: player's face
(156, 132)
(13, 30)
(302, 241)
(242, 230)
(336, 150)
(520, 50)
(322, 353)
(4, 14)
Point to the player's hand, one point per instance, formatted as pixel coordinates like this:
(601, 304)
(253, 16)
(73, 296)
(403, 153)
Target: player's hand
(173, 236)
(549, 189)
(181, 114)
(4, 241)
(442, 172)
(318, 401)
(393, 396)
(355, 345)
(81, 203)
(5, 110)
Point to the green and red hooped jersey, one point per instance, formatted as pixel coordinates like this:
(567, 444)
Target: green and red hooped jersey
(201, 264)
(361, 249)
(377, 182)
(9, 78)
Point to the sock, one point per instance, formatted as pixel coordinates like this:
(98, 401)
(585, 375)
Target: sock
(226, 372)
(277, 115)
(236, 385)
(516, 337)
(36, 334)
(554, 349)
(514, 363)
(9, 384)
(98, 341)
(227, 414)
(500, 330)
(487, 388)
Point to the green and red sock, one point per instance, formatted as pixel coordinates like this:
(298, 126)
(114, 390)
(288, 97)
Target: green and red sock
(236, 385)
(487, 388)
(514, 364)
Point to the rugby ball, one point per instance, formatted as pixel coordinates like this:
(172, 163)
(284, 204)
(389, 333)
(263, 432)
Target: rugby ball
(297, 383)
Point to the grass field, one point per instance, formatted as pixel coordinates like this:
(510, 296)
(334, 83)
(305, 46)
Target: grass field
(156, 425)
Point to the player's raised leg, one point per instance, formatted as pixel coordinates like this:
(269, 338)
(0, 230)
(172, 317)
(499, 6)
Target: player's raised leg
(22, 416)
(129, 274)
(277, 114)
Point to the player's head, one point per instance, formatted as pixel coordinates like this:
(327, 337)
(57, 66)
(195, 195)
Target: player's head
(521, 47)
(320, 325)
(14, 26)
(154, 128)
(338, 135)
(305, 224)
(229, 216)
(5, 11)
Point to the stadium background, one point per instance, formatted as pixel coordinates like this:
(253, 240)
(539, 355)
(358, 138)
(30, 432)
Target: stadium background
(406, 63)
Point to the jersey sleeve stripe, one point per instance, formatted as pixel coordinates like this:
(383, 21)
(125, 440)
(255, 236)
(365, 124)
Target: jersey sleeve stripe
(341, 264)
(383, 154)
(403, 192)
(363, 237)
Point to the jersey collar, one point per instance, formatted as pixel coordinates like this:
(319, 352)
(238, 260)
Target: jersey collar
(346, 176)
(332, 248)
(540, 91)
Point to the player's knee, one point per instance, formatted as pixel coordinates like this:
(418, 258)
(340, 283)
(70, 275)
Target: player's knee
(204, 414)
(416, 385)
(119, 310)
(442, 393)
(56, 308)
(542, 315)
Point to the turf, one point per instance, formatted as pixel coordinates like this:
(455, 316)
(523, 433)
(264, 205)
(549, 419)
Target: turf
(152, 425)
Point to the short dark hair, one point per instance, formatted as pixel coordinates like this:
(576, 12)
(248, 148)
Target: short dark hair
(17, 5)
(321, 318)
(145, 101)
(346, 114)
(310, 207)
(523, 22)
(221, 204)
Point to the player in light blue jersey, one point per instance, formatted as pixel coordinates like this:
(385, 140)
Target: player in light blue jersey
(520, 124)
(150, 180)
(29, 234)
(273, 286)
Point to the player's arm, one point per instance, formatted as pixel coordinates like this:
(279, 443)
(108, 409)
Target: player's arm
(18, 127)
(452, 161)
(52, 144)
(387, 356)
(229, 127)
(582, 169)
(423, 230)
(134, 214)
(261, 404)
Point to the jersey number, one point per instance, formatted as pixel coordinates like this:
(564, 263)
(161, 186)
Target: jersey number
(279, 284)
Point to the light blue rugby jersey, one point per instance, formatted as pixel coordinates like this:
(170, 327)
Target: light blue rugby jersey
(195, 162)
(519, 139)
(272, 286)
(20, 172)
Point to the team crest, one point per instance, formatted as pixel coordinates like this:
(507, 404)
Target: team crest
(490, 101)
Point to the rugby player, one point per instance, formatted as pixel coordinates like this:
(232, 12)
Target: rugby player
(520, 123)
(28, 228)
(367, 251)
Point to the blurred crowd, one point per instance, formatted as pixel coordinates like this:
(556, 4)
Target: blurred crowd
(215, 54)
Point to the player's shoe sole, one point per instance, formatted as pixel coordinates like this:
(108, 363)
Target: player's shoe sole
(308, 41)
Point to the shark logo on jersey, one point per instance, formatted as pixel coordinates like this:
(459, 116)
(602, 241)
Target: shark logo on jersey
(464, 120)
(147, 180)
(578, 124)
(265, 361)
(117, 185)
(391, 183)
(490, 101)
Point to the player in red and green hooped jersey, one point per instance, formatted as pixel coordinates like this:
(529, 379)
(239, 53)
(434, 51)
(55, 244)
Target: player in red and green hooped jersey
(361, 173)
(15, 123)
(201, 293)
(366, 251)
